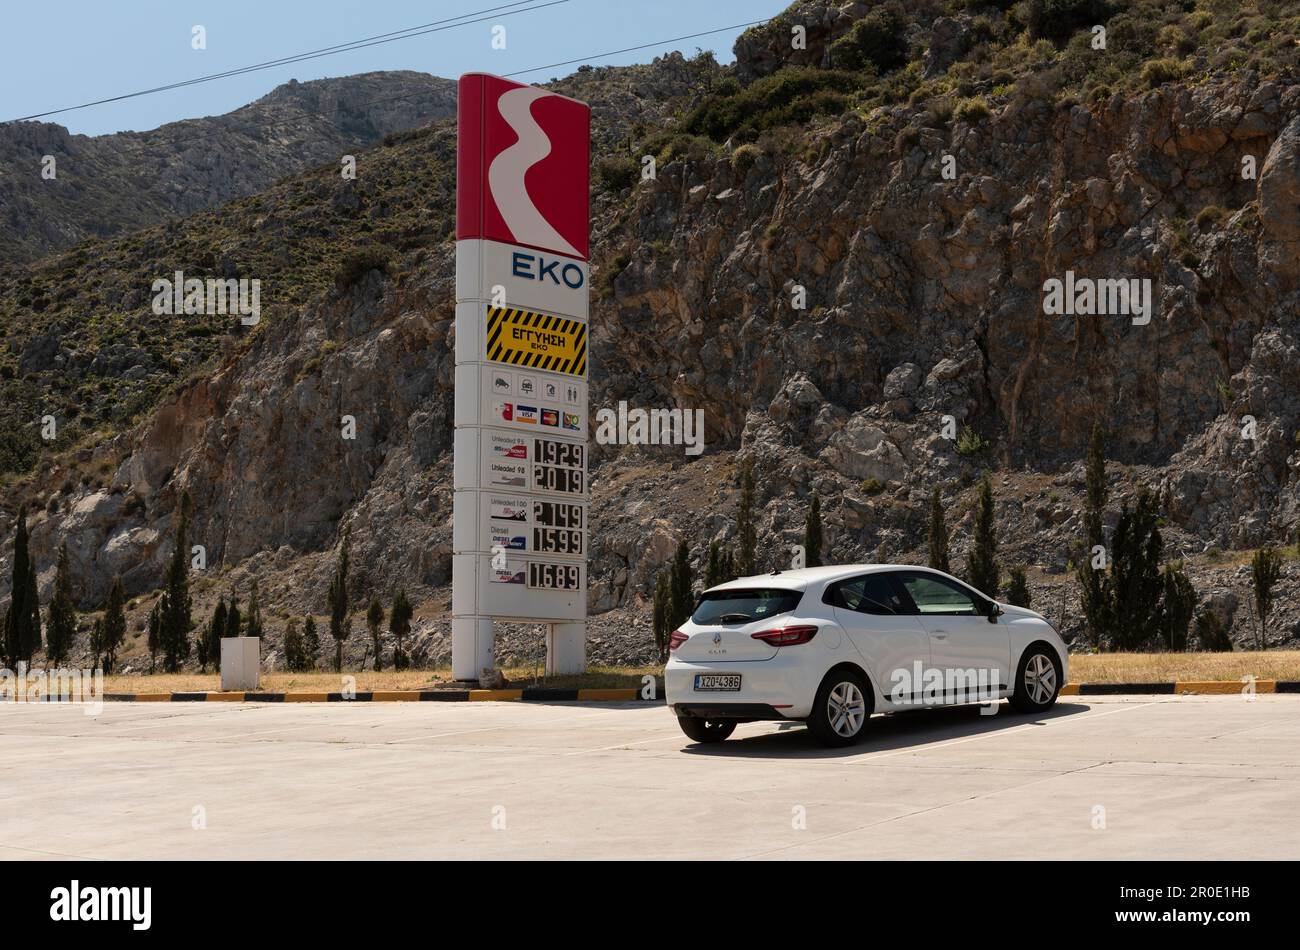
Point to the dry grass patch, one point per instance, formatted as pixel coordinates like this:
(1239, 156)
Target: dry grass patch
(598, 677)
(1172, 667)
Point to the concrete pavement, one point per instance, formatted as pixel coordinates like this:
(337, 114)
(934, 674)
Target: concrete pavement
(1097, 777)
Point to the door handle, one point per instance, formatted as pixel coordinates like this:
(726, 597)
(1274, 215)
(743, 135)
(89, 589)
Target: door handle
(939, 634)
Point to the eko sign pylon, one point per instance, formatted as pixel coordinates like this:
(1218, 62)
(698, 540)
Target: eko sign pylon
(520, 515)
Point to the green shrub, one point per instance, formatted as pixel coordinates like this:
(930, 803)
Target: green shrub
(743, 158)
(1057, 19)
(908, 138)
(1156, 72)
(872, 486)
(1211, 633)
(609, 273)
(680, 146)
(972, 110)
(794, 94)
(970, 442)
(358, 262)
(1209, 216)
(938, 113)
(1175, 39)
(876, 42)
(617, 172)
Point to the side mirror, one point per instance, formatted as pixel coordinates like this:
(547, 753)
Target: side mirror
(994, 611)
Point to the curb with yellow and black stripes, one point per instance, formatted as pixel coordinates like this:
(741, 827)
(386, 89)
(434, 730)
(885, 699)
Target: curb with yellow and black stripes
(537, 694)
(544, 694)
(1182, 688)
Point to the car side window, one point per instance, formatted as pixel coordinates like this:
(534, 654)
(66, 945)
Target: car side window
(869, 594)
(935, 595)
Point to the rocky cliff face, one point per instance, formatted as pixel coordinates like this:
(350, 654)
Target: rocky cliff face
(115, 184)
(921, 245)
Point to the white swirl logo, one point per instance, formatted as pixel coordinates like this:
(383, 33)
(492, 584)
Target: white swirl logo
(506, 173)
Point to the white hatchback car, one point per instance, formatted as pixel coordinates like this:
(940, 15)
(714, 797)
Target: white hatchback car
(832, 645)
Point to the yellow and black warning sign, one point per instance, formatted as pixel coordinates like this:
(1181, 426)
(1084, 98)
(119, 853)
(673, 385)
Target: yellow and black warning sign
(536, 340)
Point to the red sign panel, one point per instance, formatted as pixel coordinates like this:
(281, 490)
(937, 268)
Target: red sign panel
(522, 166)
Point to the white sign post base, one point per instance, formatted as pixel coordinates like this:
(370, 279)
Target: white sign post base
(566, 648)
(471, 647)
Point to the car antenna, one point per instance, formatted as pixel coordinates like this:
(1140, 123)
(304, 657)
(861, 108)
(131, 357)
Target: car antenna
(776, 571)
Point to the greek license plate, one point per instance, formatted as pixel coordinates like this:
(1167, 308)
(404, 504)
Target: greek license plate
(717, 682)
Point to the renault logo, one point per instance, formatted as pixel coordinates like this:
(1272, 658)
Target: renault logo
(717, 639)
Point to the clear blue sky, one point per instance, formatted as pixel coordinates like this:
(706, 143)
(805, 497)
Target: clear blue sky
(57, 55)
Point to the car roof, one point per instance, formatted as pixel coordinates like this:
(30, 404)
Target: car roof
(806, 577)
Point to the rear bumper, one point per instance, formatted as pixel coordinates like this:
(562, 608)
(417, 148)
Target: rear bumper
(746, 712)
(780, 688)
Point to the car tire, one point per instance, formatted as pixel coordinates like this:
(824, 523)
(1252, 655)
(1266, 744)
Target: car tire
(1038, 680)
(706, 730)
(843, 705)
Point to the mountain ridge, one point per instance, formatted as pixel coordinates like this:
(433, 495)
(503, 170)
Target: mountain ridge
(124, 181)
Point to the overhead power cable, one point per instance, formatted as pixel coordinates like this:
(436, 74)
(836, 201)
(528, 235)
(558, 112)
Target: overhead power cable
(255, 126)
(437, 26)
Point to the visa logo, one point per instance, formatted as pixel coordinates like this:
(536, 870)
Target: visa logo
(536, 267)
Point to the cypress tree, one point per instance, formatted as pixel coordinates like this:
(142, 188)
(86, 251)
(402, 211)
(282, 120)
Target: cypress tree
(210, 642)
(746, 564)
(982, 571)
(374, 623)
(176, 620)
(812, 534)
(61, 626)
(1177, 605)
(728, 565)
(713, 571)
(32, 642)
(155, 631)
(1133, 589)
(97, 642)
(253, 624)
(1265, 569)
(18, 632)
(234, 620)
(1211, 634)
(681, 597)
(310, 643)
(293, 658)
(1018, 588)
(1092, 601)
(113, 631)
(938, 534)
(337, 600)
(399, 625)
(662, 611)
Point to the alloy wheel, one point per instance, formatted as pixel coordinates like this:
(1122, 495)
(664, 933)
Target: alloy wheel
(846, 709)
(1040, 679)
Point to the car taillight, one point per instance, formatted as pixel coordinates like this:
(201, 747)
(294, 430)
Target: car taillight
(676, 639)
(786, 636)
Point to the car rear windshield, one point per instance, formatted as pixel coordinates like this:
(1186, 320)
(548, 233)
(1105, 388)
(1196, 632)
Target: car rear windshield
(743, 606)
